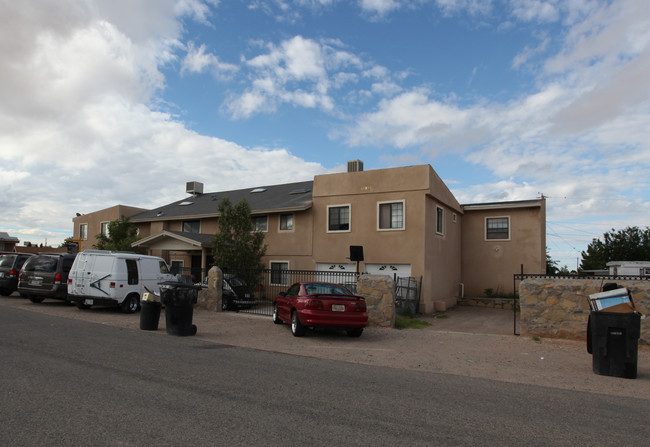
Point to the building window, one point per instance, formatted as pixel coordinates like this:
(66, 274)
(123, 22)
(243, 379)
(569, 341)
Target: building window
(177, 267)
(391, 216)
(279, 273)
(83, 232)
(286, 222)
(260, 223)
(192, 226)
(440, 220)
(338, 218)
(103, 228)
(497, 228)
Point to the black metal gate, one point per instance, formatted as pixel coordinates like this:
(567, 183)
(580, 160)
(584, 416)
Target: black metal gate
(407, 295)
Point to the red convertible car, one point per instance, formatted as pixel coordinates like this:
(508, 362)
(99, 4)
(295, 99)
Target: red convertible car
(320, 304)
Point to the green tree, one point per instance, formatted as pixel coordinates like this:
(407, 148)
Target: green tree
(121, 234)
(237, 246)
(551, 264)
(630, 244)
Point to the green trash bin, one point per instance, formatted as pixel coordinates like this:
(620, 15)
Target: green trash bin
(614, 343)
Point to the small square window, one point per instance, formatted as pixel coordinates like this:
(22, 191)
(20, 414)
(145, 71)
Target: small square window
(191, 226)
(338, 218)
(260, 223)
(391, 216)
(497, 228)
(286, 222)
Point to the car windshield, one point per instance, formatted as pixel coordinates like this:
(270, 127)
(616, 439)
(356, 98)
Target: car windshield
(7, 261)
(325, 289)
(41, 264)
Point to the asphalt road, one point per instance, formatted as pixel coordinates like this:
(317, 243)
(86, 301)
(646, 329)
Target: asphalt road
(68, 382)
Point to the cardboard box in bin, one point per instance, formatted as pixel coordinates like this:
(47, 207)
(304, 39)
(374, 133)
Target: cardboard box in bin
(617, 300)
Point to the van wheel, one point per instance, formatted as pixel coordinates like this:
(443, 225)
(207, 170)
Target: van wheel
(36, 299)
(130, 304)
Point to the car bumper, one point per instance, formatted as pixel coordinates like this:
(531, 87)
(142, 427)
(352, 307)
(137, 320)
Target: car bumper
(57, 292)
(348, 320)
(92, 300)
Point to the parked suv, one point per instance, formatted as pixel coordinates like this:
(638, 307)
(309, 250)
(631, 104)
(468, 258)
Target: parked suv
(45, 276)
(10, 264)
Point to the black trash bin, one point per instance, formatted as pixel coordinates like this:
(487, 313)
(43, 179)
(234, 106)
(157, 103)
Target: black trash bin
(179, 299)
(150, 312)
(614, 343)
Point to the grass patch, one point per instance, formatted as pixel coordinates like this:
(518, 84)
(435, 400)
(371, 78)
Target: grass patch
(408, 321)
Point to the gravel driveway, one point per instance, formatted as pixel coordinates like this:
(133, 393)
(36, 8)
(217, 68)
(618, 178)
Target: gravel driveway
(471, 342)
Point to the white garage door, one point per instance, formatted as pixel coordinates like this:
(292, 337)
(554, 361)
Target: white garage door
(402, 270)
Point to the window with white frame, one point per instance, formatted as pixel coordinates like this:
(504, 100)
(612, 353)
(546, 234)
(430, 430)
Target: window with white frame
(338, 218)
(260, 223)
(103, 228)
(440, 220)
(279, 273)
(391, 215)
(192, 226)
(83, 231)
(286, 222)
(497, 228)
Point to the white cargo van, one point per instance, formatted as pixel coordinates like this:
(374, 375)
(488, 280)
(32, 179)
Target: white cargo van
(111, 278)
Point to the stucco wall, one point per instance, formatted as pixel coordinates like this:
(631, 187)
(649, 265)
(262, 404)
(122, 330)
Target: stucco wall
(552, 307)
(491, 263)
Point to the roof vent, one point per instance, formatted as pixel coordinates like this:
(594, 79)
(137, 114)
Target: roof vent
(194, 188)
(355, 166)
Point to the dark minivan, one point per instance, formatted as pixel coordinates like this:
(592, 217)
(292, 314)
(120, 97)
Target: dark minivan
(46, 276)
(10, 264)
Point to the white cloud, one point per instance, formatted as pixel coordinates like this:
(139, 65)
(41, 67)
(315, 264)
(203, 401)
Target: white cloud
(298, 71)
(78, 131)
(197, 61)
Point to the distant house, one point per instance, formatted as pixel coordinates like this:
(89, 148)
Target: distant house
(88, 226)
(406, 220)
(8, 243)
(629, 268)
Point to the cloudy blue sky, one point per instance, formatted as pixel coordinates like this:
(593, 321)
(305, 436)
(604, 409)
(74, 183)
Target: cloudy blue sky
(106, 102)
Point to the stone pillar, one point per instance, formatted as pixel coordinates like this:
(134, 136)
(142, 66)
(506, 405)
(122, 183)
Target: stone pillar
(379, 292)
(210, 298)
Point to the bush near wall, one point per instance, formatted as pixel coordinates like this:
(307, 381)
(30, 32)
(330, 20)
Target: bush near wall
(490, 303)
(553, 307)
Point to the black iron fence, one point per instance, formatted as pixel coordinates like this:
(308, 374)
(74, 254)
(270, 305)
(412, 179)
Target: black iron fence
(257, 289)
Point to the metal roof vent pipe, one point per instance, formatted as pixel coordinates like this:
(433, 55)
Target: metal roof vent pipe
(355, 166)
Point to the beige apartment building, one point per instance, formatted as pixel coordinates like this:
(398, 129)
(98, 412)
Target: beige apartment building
(399, 221)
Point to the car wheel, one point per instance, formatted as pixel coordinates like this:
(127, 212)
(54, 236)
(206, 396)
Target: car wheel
(83, 306)
(297, 329)
(5, 292)
(130, 304)
(356, 332)
(36, 299)
(276, 318)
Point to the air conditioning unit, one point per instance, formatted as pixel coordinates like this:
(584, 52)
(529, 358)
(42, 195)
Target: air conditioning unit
(355, 166)
(194, 188)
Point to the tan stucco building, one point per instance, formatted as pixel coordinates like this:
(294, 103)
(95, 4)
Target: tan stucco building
(406, 220)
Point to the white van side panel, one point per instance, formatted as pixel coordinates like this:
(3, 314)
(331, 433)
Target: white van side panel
(104, 276)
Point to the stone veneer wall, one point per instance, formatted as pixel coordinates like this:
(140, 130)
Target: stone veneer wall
(553, 307)
(379, 292)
